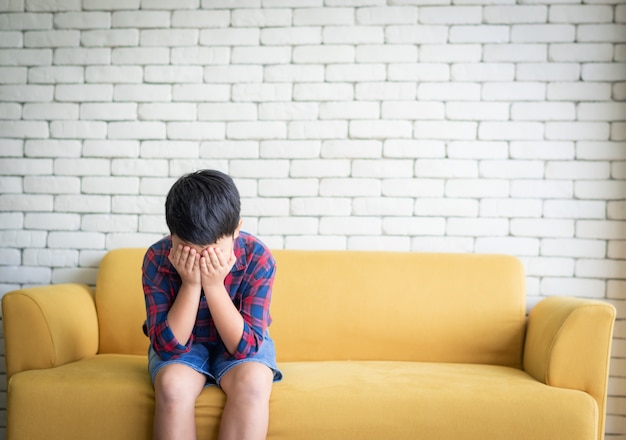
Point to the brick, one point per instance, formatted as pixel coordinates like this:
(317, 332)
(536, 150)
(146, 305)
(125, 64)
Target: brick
(516, 169)
(542, 227)
(287, 187)
(350, 226)
(450, 14)
(152, 223)
(603, 72)
(201, 19)
(385, 91)
(413, 187)
(618, 131)
(26, 93)
(110, 38)
(514, 91)
(416, 34)
(316, 242)
(23, 239)
(261, 55)
(25, 57)
(227, 112)
(57, 38)
(52, 221)
(256, 130)
(477, 227)
(386, 53)
(50, 111)
(477, 188)
(230, 149)
(547, 72)
(232, 74)
(13, 75)
(483, 72)
(515, 52)
(55, 75)
(201, 92)
(616, 250)
(110, 185)
(351, 187)
(542, 150)
(442, 244)
(355, 72)
(577, 170)
(414, 226)
(543, 111)
(515, 14)
(265, 207)
(259, 168)
(476, 111)
(12, 148)
(156, 186)
(386, 15)
(24, 129)
(607, 190)
(200, 55)
(114, 74)
(169, 149)
(84, 92)
(82, 203)
(50, 257)
(381, 168)
(195, 131)
(11, 185)
(586, 288)
(140, 19)
(78, 129)
(230, 37)
(26, 202)
(139, 167)
(376, 129)
(579, 91)
(318, 130)
(81, 167)
(109, 148)
(383, 243)
(351, 149)
(601, 229)
(477, 150)
(11, 220)
(108, 111)
(447, 130)
(25, 21)
(479, 34)
(75, 240)
(167, 111)
(83, 20)
(596, 268)
(323, 54)
(169, 37)
(449, 53)
(53, 6)
(10, 257)
(323, 16)
(321, 206)
(140, 55)
(290, 149)
(550, 267)
(577, 130)
(136, 205)
(142, 92)
(52, 148)
(543, 33)
(323, 92)
(261, 92)
(284, 36)
(413, 148)
(82, 56)
(576, 209)
(353, 35)
(51, 185)
(136, 130)
(612, 33)
(261, 17)
(446, 168)
(448, 91)
(25, 275)
(419, 72)
(498, 207)
(581, 52)
(545, 189)
(294, 73)
(601, 112)
(349, 110)
(320, 168)
(618, 170)
(288, 225)
(446, 207)
(519, 246)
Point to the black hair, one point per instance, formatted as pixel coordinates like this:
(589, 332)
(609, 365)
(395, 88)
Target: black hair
(202, 207)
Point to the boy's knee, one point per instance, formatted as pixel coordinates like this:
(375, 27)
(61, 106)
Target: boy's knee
(176, 384)
(249, 380)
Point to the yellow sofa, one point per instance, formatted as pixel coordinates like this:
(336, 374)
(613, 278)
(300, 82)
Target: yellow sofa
(373, 345)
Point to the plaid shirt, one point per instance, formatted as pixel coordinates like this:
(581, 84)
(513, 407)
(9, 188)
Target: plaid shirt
(249, 285)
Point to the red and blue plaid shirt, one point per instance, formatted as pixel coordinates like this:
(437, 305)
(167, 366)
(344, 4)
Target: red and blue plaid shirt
(249, 284)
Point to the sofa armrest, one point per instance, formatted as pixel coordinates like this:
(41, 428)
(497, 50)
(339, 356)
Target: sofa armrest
(48, 326)
(568, 345)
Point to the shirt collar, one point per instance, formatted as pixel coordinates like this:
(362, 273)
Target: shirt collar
(239, 249)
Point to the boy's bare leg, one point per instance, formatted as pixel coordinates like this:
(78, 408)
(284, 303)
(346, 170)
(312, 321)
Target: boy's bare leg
(176, 389)
(246, 415)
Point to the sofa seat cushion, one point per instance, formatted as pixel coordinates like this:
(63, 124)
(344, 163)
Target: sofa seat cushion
(329, 400)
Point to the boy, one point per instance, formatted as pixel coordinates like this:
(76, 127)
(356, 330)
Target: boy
(208, 289)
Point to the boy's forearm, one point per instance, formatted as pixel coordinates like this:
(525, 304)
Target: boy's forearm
(228, 321)
(183, 313)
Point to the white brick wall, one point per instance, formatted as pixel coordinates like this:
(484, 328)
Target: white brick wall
(411, 125)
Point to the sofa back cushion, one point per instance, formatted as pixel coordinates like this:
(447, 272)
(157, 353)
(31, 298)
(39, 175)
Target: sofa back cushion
(342, 305)
(349, 305)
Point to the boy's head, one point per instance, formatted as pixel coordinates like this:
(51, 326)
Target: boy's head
(203, 207)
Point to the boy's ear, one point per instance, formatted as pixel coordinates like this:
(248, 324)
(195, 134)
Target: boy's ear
(236, 234)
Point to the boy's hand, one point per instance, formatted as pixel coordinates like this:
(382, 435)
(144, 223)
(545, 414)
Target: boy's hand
(186, 261)
(214, 267)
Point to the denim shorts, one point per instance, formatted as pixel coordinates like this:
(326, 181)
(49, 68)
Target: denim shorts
(214, 362)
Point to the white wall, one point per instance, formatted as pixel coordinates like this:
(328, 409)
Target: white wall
(410, 125)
